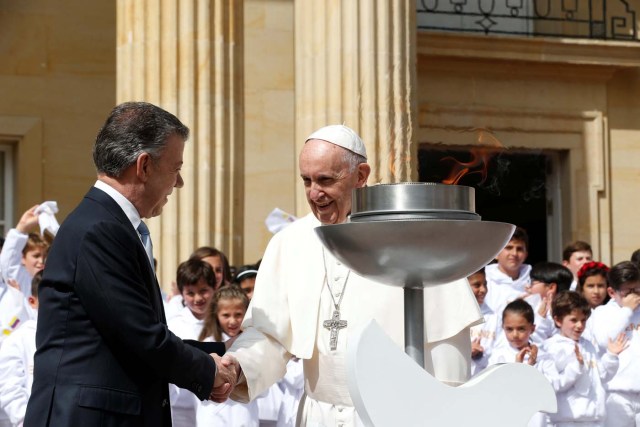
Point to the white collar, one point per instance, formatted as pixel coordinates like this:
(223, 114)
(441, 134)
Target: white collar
(127, 207)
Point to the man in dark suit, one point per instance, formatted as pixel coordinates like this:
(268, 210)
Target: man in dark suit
(104, 354)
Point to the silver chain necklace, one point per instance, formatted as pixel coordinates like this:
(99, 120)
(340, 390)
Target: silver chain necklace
(334, 324)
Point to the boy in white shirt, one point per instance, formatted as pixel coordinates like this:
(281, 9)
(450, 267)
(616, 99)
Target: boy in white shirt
(508, 278)
(196, 282)
(16, 364)
(482, 336)
(572, 365)
(23, 253)
(621, 315)
(548, 279)
(574, 256)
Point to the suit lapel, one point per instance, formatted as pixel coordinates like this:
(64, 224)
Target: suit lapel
(151, 281)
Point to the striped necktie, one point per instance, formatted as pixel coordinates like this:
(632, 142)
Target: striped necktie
(146, 242)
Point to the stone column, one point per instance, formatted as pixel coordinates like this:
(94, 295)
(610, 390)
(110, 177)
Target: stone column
(356, 64)
(187, 57)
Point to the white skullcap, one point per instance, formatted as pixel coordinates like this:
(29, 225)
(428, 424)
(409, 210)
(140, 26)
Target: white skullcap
(342, 136)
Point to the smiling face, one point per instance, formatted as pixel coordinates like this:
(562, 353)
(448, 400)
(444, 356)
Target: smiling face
(517, 329)
(328, 180)
(230, 313)
(162, 175)
(198, 298)
(595, 290)
(511, 258)
(478, 285)
(572, 325)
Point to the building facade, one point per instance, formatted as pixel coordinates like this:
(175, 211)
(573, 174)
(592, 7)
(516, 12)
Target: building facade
(545, 94)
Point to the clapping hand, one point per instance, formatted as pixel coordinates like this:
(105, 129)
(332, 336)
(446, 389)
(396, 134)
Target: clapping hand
(579, 355)
(227, 372)
(531, 351)
(618, 345)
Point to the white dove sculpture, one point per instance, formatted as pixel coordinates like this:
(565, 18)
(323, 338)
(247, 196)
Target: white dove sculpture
(389, 389)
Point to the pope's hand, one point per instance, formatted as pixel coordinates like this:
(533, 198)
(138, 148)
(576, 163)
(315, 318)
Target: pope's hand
(227, 372)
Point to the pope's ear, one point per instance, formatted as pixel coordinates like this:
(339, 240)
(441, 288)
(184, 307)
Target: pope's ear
(363, 174)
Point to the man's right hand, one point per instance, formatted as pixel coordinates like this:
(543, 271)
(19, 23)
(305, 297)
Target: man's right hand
(227, 373)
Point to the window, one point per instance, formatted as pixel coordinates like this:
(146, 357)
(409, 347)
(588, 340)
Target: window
(6, 186)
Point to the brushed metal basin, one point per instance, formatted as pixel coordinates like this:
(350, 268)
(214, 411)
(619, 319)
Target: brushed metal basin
(416, 253)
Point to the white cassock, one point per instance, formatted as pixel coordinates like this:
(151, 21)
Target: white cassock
(291, 301)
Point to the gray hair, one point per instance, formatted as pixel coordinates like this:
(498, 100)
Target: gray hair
(352, 160)
(131, 129)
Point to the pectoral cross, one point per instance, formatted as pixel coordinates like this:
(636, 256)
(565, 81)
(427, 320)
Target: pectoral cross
(334, 325)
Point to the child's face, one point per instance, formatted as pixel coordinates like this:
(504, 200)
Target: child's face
(517, 330)
(538, 287)
(198, 298)
(247, 286)
(512, 257)
(33, 260)
(216, 263)
(577, 260)
(230, 315)
(625, 289)
(594, 290)
(572, 325)
(478, 285)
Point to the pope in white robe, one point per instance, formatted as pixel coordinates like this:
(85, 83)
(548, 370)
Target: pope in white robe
(300, 285)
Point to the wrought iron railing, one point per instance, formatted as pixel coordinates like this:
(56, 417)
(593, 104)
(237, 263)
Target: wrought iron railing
(594, 19)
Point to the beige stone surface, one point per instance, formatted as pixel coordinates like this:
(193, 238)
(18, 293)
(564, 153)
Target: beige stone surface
(57, 65)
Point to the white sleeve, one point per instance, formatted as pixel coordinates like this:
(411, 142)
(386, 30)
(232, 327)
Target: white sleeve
(608, 323)
(565, 379)
(263, 361)
(13, 379)
(608, 366)
(11, 258)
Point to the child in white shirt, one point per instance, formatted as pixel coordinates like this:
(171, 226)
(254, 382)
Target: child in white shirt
(228, 308)
(547, 280)
(508, 278)
(621, 315)
(196, 283)
(518, 325)
(16, 364)
(23, 253)
(482, 336)
(572, 365)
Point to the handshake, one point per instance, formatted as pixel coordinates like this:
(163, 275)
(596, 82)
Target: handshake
(227, 374)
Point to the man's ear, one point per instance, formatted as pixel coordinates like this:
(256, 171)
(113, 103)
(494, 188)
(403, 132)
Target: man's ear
(143, 165)
(363, 174)
(611, 292)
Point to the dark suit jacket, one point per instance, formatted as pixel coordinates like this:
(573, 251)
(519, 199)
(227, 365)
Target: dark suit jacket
(104, 354)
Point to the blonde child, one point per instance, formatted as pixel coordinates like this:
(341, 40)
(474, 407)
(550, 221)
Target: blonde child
(224, 322)
(482, 336)
(572, 366)
(16, 364)
(509, 276)
(196, 283)
(518, 325)
(621, 315)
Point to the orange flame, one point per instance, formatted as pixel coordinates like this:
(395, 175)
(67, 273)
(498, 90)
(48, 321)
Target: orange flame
(479, 162)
